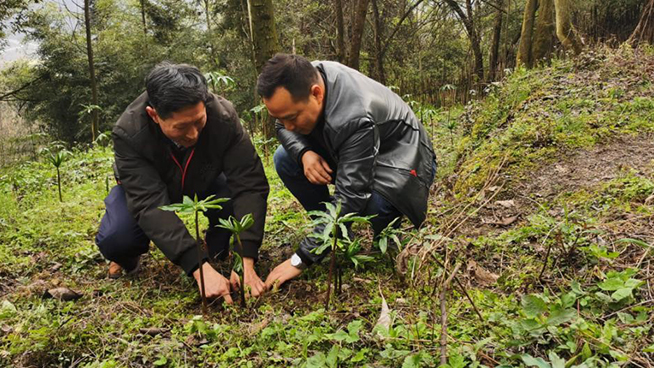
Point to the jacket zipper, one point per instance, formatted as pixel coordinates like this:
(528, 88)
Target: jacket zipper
(183, 171)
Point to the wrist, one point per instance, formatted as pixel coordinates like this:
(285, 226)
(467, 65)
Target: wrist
(196, 273)
(248, 263)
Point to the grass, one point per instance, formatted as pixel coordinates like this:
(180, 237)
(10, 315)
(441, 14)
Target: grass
(591, 307)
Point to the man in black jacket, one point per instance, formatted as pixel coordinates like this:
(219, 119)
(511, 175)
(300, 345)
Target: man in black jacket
(338, 126)
(178, 139)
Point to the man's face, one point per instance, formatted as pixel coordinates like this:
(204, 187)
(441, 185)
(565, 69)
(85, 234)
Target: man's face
(183, 126)
(297, 116)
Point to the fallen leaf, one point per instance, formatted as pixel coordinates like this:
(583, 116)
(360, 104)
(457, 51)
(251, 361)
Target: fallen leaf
(485, 277)
(506, 204)
(255, 328)
(649, 199)
(384, 317)
(153, 331)
(505, 221)
(62, 293)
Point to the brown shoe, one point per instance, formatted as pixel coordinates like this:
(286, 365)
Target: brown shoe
(115, 271)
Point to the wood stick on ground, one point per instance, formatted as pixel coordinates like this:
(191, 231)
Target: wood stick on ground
(444, 288)
(547, 256)
(463, 289)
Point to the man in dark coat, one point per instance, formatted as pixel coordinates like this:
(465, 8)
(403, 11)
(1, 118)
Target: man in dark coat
(338, 126)
(177, 139)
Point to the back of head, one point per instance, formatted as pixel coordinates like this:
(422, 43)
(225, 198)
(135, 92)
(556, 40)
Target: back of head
(173, 87)
(292, 72)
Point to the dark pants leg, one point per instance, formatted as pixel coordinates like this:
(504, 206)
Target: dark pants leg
(310, 195)
(119, 238)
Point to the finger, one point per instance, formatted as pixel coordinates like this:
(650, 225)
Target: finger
(234, 282)
(325, 166)
(320, 176)
(228, 298)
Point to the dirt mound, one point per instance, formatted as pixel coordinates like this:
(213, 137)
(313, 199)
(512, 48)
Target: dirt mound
(588, 168)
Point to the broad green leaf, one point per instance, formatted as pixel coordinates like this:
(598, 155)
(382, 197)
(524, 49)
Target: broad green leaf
(383, 244)
(560, 316)
(622, 293)
(530, 361)
(412, 361)
(557, 362)
(611, 284)
(533, 306)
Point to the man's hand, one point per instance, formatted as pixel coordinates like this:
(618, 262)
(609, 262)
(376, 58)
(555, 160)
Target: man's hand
(316, 168)
(282, 273)
(252, 281)
(215, 284)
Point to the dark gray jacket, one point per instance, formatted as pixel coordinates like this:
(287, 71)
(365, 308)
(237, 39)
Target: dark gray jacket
(377, 143)
(153, 177)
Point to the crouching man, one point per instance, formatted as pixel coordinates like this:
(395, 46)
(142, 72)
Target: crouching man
(178, 139)
(337, 126)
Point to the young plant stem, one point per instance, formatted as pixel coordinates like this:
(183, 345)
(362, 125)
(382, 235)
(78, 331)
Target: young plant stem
(242, 272)
(200, 251)
(332, 265)
(59, 184)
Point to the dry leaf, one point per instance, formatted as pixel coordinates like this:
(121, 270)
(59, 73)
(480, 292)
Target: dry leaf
(485, 277)
(62, 293)
(153, 331)
(255, 328)
(384, 317)
(505, 221)
(649, 199)
(506, 204)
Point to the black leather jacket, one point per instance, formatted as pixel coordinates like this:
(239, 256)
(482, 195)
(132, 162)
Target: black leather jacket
(153, 177)
(377, 142)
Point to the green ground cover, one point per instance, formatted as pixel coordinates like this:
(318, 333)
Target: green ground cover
(567, 283)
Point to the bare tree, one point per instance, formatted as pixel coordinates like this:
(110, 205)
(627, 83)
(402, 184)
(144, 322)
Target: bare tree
(467, 19)
(94, 85)
(359, 21)
(644, 31)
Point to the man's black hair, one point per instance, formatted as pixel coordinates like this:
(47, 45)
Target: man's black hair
(292, 72)
(173, 87)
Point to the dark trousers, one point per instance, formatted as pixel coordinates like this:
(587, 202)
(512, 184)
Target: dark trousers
(121, 240)
(311, 195)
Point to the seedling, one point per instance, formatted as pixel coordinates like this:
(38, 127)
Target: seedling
(195, 206)
(56, 159)
(236, 227)
(334, 223)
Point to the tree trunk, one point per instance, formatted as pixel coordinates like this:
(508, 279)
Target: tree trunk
(340, 29)
(473, 35)
(475, 42)
(524, 56)
(495, 44)
(644, 31)
(145, 28)
(357, 33)
(379, 53)
(544, 34)
(264, 41)
(94, 86)
(207, 14)
(565, 31)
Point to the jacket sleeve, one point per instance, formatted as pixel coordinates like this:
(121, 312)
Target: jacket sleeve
(295, 144)
(247, 182)
(354, 175)
(146, 192)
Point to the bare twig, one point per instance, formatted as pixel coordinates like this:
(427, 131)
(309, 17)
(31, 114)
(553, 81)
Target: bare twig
(444, 289)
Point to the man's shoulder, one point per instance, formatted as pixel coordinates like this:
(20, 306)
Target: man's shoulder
(134, 119)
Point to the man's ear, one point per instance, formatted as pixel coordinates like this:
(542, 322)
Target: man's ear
(318, 92)
(152, 113)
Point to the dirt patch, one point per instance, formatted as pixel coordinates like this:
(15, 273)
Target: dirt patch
(588, 168)
(576, 170)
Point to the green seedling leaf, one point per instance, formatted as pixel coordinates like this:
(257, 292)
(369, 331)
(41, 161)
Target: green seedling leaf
(560, 316)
